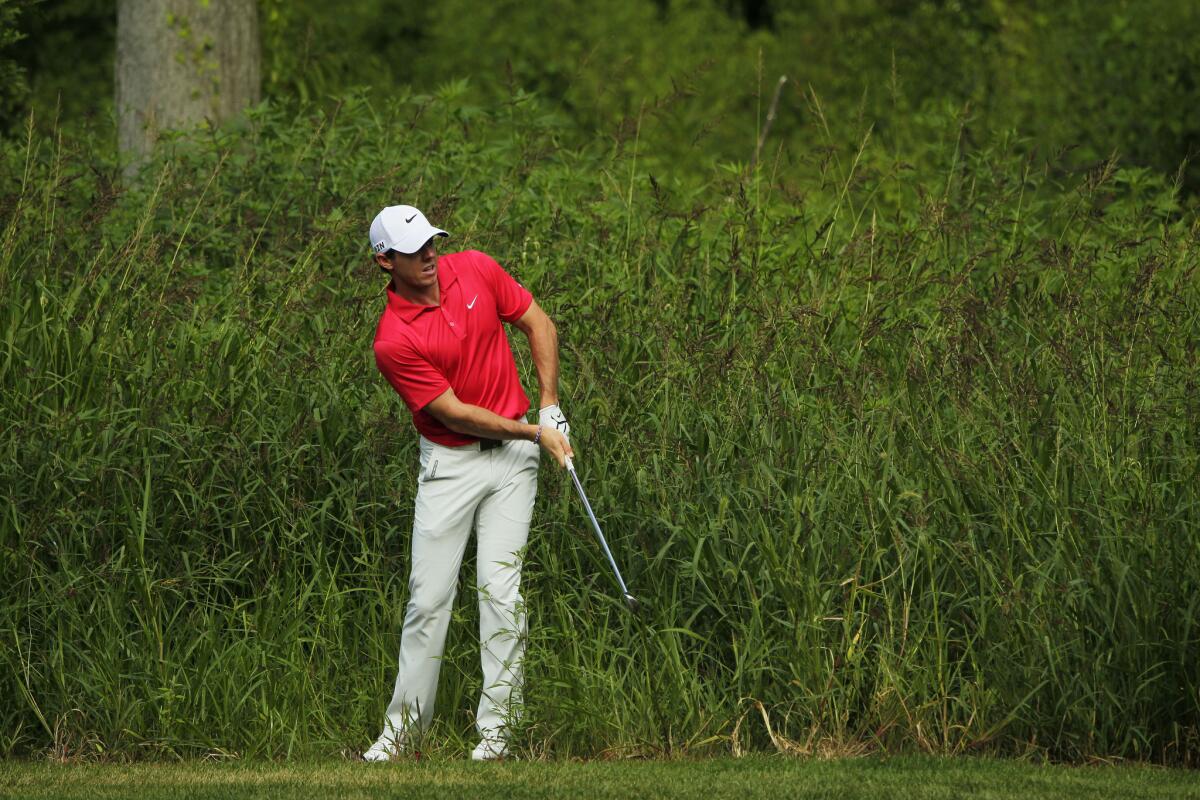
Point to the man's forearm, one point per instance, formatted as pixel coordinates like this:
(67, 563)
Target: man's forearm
(543, 346)
(471, 420)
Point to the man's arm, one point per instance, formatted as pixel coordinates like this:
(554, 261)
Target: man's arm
(543, 346)
(472, 420)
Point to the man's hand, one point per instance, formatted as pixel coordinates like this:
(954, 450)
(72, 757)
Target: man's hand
(556, 445)
(552, 418)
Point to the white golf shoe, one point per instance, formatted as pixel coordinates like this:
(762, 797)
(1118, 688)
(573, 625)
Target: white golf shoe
(490, 750)
(386, 747)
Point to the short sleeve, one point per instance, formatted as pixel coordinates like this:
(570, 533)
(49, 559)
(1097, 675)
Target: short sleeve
(416, 380)
(512, 299)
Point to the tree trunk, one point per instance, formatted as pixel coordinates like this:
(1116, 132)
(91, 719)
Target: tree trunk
(181, 63)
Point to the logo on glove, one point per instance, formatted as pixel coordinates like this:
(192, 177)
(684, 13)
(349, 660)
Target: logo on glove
(552, 416)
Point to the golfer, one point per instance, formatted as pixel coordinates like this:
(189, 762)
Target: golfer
(442, 346)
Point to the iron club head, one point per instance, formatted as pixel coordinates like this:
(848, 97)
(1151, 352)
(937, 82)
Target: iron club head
(631, 601)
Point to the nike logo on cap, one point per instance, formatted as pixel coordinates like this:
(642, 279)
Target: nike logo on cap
(471, 304)
(410, 219)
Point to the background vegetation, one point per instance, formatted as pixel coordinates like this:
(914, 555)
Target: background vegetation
(892, 427)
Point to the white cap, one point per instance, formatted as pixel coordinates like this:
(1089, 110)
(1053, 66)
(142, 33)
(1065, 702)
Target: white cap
(401, 228)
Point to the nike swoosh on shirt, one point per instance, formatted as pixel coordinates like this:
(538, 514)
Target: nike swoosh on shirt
(471, 304)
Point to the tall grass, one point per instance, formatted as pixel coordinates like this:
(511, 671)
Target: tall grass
(895, 460)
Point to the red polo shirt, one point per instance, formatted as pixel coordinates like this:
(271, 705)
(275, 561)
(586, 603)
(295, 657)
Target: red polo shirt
(458, 344)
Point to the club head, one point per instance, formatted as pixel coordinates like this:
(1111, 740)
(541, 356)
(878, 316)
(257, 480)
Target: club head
(631, 601)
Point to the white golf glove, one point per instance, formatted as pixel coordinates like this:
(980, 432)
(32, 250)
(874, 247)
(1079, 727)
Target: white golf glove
(553, 417)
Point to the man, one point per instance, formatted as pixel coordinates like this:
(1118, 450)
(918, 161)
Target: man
(441, 344)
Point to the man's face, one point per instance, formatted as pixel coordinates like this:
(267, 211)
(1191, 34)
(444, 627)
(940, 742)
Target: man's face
(416, 270)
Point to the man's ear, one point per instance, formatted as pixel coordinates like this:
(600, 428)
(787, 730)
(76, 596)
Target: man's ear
(383, 262)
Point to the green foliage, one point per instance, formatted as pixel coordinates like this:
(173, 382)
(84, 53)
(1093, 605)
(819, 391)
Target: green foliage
(892, 431)
(689, 81)
(312, 50)
(1106, 77)
(14, 87)
(66, 52)
(1112, 76)
(896, 458)
(680, 70)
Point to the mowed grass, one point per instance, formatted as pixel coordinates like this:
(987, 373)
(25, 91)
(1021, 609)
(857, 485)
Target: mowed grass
(755, 776)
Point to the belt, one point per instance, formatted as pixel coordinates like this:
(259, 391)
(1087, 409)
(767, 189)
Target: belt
(478, 444)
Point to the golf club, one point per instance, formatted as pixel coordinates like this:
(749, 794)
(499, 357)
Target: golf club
(630, 600)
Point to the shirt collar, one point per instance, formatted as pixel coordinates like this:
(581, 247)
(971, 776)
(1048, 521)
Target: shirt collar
(408, 310)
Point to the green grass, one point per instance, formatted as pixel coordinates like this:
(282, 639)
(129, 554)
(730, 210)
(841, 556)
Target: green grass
(896, 461)
(713, 779)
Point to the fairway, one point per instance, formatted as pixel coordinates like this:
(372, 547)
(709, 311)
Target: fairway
(759, 776)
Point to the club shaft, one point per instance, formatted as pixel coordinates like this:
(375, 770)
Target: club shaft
(596, 526)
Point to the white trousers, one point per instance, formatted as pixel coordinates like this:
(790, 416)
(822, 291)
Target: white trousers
(460, 488)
